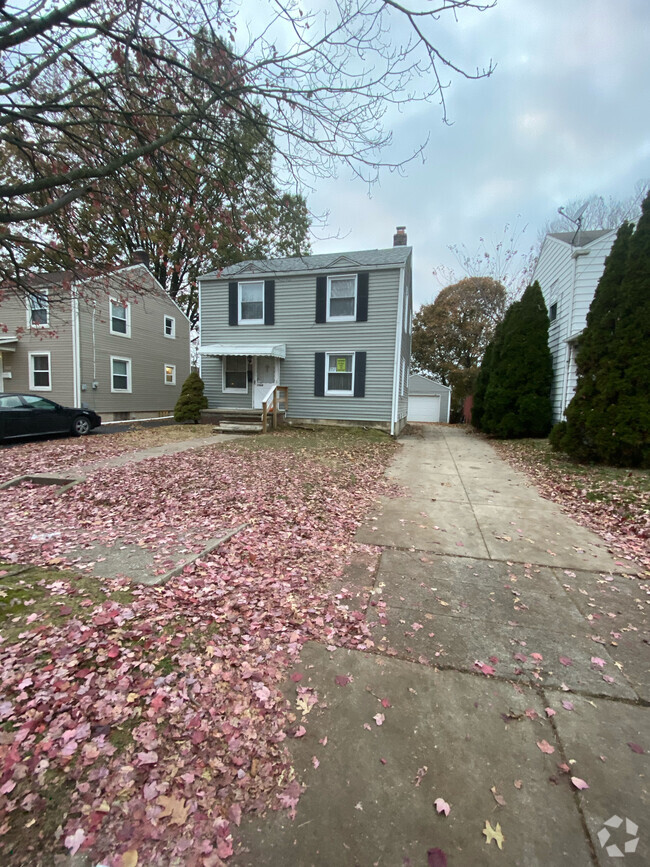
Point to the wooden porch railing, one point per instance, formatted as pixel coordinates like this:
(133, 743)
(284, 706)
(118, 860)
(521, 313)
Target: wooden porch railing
(276, 401)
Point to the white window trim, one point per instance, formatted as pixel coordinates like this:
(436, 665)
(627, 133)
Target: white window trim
(129, 375)
(223, 377)
(171, 336)
(336, 392)
(353, 317)
(173, 367)
(32, 386)
(127, 307)
(239, 302)
(30, 324)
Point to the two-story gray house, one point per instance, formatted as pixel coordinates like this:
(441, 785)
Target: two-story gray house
(116, 344)
(335, 329)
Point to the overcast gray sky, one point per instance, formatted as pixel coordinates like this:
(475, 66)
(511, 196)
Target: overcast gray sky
(565, 115)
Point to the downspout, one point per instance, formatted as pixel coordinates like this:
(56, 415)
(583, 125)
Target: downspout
(398, 351)
(76, 351)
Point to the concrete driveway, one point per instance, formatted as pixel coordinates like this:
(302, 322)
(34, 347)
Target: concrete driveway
(509, 677)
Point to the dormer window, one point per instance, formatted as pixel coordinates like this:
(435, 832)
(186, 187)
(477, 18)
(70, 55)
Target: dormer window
(342, 298)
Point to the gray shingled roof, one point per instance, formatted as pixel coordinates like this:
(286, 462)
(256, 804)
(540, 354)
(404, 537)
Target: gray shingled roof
(321, 262)
(581, 238)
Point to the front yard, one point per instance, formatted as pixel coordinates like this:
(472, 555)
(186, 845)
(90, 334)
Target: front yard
(613, 502)
(137, 724)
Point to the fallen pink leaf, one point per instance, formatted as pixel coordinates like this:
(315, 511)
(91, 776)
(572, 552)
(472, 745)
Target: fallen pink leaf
(578, 783)
(545, 747)
(442, 806)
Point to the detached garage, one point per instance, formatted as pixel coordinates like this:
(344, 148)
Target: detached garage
(428, 400)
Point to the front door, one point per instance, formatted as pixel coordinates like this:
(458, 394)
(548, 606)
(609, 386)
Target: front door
(266, 375)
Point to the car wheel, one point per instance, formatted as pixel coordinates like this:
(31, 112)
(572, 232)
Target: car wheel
(80, 426)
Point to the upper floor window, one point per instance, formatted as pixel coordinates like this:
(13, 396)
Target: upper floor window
(120, 318)
(39, 310)
(40, 372)
(251, 303)
(342, 298)
(552, 313)
(170, 327)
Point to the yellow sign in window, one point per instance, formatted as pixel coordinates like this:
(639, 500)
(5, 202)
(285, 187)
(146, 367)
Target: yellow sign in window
(341, 365)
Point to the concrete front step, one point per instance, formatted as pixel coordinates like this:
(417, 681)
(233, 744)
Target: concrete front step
(235, 427)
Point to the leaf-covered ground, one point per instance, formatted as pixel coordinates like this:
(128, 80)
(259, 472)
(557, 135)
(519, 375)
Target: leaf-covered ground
(138, 724)
(613, 502)
(65, 453)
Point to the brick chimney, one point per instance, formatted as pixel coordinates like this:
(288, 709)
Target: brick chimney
(140, 257)
(399, 238)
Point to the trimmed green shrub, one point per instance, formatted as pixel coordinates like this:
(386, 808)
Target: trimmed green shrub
(608, 419)
(192, 400)
(557, 435)
(482, 380)
(517, 400)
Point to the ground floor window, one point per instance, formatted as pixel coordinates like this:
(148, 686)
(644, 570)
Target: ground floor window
(40, 372)
(170, 374)
(235, 373)
(120, 374)
(339, 367)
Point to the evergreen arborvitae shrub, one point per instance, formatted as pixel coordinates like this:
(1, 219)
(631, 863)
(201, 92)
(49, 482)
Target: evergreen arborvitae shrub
(482, 381)
(192, 400)
(517, 400)
(608, 419)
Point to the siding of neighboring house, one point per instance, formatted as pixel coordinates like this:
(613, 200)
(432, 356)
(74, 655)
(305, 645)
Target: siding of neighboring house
(55, 339)
(295, 326)
(147, 349)
(80, 346)
(568, 276)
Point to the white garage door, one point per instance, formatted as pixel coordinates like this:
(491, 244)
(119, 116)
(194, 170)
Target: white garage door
(424, 407)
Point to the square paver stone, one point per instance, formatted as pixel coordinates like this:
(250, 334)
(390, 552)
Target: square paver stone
(599, 736)
(370, 789)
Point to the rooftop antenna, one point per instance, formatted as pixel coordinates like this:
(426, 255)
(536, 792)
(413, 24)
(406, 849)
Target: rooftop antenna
(576, 219)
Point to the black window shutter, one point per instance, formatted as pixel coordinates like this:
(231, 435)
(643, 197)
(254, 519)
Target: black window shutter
(269, 302)
(360, 374)
(362, 296)
(233, 304)
(319, 374)
(321, 299)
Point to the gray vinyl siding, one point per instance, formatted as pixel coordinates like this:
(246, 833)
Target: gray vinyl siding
(295, 326)
(147, 348)
(55, 339)
(570, 282)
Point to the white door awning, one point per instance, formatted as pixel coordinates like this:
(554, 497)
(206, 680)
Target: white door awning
(8, 344)
(276, 350)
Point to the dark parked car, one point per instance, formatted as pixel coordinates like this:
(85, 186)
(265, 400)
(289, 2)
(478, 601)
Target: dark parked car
(27, 415)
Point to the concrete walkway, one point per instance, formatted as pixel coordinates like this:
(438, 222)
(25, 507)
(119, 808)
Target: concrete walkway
(511, 653)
